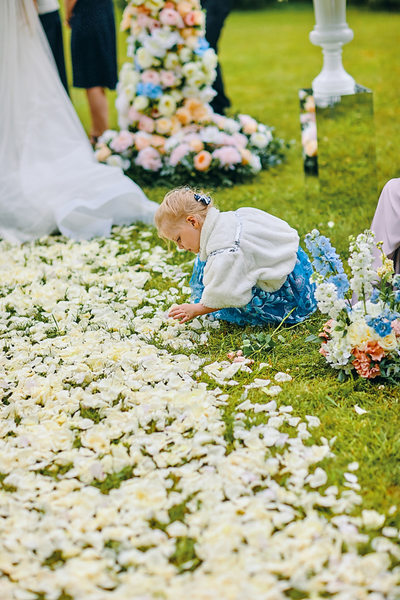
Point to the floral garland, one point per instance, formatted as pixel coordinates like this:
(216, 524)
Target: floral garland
(167, 124)
(364, 336)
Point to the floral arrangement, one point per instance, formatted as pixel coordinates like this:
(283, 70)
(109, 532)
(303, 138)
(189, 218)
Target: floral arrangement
(308, 125)
(167, 124)
(363, 332)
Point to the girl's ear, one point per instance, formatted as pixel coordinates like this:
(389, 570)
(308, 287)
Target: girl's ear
(192, 220)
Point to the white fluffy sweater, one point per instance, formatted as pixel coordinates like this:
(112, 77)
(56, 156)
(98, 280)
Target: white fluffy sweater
(244, 248)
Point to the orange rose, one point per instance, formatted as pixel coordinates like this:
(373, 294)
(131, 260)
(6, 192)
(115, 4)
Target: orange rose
(158, 141)
(183, 115)
(246, 156)
(187, 33)
(202, 160)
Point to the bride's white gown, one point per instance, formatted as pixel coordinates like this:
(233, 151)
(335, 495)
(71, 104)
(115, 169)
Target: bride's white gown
(49, 178)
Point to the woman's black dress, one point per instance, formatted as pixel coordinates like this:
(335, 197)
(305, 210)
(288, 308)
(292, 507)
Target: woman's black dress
(93, 44)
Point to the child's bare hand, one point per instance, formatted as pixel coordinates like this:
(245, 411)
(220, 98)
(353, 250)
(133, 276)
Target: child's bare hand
(183, 312)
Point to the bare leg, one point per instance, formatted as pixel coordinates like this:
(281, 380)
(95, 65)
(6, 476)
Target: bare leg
(98, 109)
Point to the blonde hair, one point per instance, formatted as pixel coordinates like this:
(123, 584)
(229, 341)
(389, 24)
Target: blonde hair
(177, 205)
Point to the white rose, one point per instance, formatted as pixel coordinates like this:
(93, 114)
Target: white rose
(141, 103)
(259, 140)
(185, 54)
(144, 58)
(171, 61)
(389, 342)
(167, 105)
(209, 59)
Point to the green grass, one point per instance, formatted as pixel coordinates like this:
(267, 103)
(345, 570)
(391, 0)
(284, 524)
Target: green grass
(266, 57)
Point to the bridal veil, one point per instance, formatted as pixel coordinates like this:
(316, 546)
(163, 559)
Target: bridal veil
(49, 178)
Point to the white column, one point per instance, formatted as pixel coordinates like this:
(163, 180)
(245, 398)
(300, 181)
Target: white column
(331, 32)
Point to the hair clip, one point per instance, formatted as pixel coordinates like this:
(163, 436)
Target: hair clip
(203, 199)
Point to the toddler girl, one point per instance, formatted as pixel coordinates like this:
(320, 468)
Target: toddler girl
(249, 269)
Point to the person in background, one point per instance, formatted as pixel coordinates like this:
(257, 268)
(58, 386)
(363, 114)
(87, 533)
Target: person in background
(94, 55)
(216, 13)
(51, 23)
(386, 224)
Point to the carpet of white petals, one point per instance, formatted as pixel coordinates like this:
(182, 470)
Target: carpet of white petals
(117, 479)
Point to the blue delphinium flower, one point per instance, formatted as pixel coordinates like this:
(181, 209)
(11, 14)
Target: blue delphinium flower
(202, 46)
(382, 325)
(149, 89)
(326, 261)
(321, 249)
(374, 296)
(396, 281)
(341, 282)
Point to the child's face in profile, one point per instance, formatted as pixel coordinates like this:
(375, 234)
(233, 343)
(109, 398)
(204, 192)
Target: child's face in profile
(186, 234)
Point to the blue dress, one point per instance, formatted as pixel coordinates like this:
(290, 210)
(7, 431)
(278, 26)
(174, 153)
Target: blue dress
(296, 295)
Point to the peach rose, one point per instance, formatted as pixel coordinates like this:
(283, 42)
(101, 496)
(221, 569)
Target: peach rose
(163, 125)
(196, 145)
(187, 33)
(246, 156)
(142, 140)
(192, 104)
(175, 125)
(202, 160)
(184, 115)
(158, 141)
(311, 148)
(102, 153)
(184, 8)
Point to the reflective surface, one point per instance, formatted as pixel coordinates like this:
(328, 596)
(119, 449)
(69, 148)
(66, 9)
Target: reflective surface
(338, 139)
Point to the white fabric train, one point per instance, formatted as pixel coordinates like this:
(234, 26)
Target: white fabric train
(49, 178)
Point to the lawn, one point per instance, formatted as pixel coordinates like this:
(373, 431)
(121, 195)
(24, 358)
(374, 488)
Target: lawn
(262, 79)
(115, 320)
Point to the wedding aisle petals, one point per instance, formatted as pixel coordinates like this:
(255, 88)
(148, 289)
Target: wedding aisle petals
(120, 478)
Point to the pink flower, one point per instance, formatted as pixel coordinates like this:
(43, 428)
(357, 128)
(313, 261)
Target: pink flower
(239, 140)
(149, 159)
(171, 17)
(133, 115)
(146, 124)
(178, 153)
(227, 156)
(144, 22)
(150, 76)
(122, 141)
(249, 125)
(168, 78)
(194, 17)
(396, 327)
